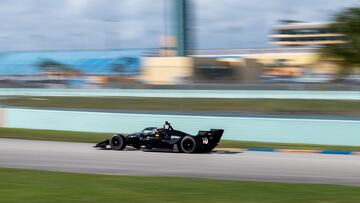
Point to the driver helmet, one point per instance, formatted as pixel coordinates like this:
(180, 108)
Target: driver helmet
(167, 125)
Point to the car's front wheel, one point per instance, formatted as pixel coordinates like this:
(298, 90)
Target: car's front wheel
(188, 144)
(118, 142)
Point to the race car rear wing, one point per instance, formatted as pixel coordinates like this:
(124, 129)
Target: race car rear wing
(210, 139)
(215, 133)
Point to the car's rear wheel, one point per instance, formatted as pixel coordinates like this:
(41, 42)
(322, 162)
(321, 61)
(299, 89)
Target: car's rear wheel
(117, 142)
(188, 144)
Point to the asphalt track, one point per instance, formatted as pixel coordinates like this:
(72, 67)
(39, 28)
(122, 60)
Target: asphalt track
(259, 166)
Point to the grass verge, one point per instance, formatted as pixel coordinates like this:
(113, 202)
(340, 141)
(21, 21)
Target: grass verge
(53, 187)
(69, 136)
(52, 135)
(277, 106)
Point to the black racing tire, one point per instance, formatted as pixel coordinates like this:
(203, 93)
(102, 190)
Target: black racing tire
(117, 142)
(188, 145)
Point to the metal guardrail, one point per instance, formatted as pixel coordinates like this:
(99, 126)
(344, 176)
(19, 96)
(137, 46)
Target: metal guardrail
(161, 93)
(283, 130)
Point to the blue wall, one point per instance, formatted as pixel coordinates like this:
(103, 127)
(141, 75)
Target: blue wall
(311, 131)
(87, 62)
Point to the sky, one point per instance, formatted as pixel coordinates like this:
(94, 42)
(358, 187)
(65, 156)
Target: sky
(123, 24)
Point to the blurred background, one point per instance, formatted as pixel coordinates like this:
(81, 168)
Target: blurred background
(194, 44)
(235, 60)
(278, 76)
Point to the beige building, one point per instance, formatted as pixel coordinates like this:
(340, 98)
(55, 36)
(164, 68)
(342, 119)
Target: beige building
(304, 33)
(246, 66)
(179, 70)
(166, 70)
(294, 64)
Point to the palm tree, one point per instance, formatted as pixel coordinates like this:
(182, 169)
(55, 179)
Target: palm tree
(347, 55)
(50, 65)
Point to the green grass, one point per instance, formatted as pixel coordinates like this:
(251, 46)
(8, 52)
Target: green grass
(278, 106)
(52, 135)
(69, 136)
(51, 187)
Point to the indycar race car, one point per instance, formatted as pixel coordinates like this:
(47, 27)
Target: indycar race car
(165, 138)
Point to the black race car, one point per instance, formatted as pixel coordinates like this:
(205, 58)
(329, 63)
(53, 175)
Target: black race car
(165, 138)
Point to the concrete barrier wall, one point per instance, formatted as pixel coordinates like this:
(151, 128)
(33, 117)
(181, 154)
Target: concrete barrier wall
(311, 131)
(241, 94)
